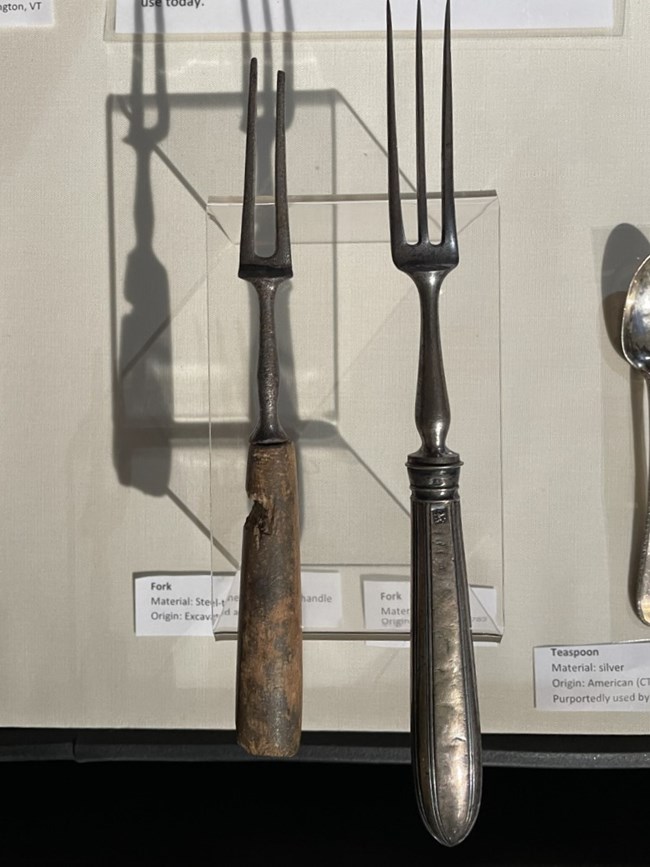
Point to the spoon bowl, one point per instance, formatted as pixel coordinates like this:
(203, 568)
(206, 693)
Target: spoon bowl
(635, 331)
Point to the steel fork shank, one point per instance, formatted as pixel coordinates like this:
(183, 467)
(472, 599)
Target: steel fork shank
(269, 429)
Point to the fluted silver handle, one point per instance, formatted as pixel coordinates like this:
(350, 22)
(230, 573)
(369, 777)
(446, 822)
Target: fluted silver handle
(643, 579)
(445, 730)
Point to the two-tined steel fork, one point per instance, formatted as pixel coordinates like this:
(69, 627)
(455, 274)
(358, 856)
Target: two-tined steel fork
(445, 730)
(269, 657)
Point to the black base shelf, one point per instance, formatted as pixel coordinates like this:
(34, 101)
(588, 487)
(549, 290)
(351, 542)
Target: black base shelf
(173, 745)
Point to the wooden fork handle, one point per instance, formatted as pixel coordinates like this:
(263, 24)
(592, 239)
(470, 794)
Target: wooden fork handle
(269, 651)
(445, 731)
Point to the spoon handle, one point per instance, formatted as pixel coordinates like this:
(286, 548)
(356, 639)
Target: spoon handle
(643, 581)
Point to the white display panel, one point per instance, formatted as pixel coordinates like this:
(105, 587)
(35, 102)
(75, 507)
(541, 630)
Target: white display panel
(348, 341)
(547, 126)
(341, 16)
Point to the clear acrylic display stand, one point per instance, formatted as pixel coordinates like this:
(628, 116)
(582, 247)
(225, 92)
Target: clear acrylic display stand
(348, 332)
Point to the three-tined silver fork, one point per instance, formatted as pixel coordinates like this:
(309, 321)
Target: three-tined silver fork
(445, 730)
(269, 647)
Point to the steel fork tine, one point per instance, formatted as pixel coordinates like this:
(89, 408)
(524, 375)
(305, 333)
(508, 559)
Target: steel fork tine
(282, 238)
(247, 245)
(281, 256)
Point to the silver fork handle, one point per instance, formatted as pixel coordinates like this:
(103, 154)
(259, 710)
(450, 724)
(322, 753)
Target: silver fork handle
(445, 730)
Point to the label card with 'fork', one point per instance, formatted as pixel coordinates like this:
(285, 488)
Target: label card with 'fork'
(387, 607)
(200, 604)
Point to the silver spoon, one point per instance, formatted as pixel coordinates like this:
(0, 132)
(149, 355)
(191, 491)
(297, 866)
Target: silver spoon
(635, 341)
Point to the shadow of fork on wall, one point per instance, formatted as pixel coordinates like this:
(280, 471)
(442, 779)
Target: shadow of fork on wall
(143, 386)
(152, 427)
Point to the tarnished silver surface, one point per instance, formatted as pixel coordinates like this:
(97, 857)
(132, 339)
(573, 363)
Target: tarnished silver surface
(445, 730)
(635, 341)
(444, 710)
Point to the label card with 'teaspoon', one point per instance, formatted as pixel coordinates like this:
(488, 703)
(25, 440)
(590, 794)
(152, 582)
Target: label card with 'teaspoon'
(593, 677)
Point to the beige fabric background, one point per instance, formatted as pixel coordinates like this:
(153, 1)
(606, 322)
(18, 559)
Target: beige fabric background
(556, 125)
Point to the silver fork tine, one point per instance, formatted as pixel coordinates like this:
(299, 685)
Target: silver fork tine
(394, 202)
(445, 730)
(423, 227)
(449, 234)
